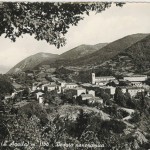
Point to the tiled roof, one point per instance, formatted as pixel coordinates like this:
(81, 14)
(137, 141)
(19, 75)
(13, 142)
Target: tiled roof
(105, 77)
(71, 84)
(137, 76)
(51, 85)
(86, 95)
(96, 98)
(130, 87)
(79, 88)
(101, 81)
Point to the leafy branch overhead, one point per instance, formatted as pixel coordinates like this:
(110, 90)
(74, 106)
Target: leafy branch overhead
(46, 21)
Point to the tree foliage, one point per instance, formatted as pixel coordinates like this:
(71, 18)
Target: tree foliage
(5, 85)
(119, 97)
(45, 20)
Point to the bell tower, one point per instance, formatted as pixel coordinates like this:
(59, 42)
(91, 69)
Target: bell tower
(93, 78)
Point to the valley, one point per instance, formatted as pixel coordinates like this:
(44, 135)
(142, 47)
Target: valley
(90, 94)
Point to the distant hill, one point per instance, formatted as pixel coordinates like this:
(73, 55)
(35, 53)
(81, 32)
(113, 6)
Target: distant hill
(133, 60)
(139, 54)
(32, 61)
(81, 51)
(109, 51)
(73, 54)
(132, 51)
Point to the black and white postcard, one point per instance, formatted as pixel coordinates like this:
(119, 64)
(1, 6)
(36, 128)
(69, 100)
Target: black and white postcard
(74, 75)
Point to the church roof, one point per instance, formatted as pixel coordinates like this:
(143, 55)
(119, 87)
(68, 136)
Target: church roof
(105, 77)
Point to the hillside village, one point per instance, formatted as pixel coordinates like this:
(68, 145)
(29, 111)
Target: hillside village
(101, 95)
(74, 75)
(47, 82)
(77, 103)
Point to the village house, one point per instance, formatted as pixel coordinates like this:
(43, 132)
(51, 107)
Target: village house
(53, 83)
(70, 85)
(63, 83)
(102, 80)
(136, 80)
(91, 99)
(77, 91)
(29, 73)
(92, 92)
(41, 99)
(38, 94)
(95, 100)
(34, 87)
(132, 90)
(50, 87)
(86, 96)
(44, 86)
(86, 84)
(39, 87)
(108, 89)
(51, 70)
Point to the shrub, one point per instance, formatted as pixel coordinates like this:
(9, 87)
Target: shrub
(114, 125)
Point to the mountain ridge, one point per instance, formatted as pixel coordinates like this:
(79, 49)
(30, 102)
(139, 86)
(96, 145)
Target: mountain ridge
(31, 62)
(110, 50)
(81, 50)
(81, 55)
(74, 53)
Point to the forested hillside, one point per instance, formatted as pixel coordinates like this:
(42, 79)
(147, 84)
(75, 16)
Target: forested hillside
(109, 51)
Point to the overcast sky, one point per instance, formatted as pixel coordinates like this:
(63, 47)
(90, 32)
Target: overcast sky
(112, 24)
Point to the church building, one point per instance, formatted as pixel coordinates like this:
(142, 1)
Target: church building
(102, 80)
